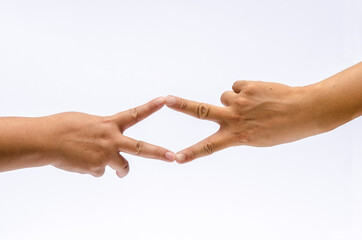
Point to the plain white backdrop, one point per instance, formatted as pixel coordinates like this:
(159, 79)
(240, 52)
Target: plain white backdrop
(102, 57)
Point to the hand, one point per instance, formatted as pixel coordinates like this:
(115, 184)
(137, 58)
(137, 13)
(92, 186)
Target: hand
(255, 113)
(84, 143)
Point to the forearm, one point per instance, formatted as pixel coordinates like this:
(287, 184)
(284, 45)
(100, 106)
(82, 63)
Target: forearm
(337, 99)
(21, 143)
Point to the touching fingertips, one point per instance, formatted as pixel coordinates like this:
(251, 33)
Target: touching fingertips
(170, 101)
(170, 156)
(180, 157)
(159, 101)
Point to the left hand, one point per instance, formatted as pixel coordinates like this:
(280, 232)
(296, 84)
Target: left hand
(84, 143)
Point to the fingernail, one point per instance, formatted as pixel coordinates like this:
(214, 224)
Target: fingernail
(159, 101)
(170, 156)
(170, 101)
(180, 157)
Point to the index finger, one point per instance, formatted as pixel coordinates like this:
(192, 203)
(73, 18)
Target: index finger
(195, 109)
(132, 116)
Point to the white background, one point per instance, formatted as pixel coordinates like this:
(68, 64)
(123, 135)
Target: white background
(102, 57)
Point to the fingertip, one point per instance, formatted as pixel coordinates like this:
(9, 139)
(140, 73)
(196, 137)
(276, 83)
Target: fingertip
(170, 101)
(180, 158)
(159, 102)
(121, 175)
(170, 156)
(124, 172)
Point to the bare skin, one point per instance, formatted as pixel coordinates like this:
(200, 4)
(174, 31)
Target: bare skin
(77, 142)
(264, 114)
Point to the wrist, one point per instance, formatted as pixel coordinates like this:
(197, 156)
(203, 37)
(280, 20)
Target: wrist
(319, 102)
(306, 108)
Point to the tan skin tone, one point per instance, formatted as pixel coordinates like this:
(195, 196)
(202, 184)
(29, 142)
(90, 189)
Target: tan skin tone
(265, 114)
(77, 142)
(256, 113)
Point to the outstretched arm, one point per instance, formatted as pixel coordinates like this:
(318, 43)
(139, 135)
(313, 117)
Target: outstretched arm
(76, 142)
(265, 114)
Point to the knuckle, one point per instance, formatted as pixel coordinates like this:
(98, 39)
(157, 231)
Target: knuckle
(190, 153)
(150, 105)
(241, 82)
(107, 143)
(108, 132)
(133, 114)
(108, 128)
(237, 83)
(139, 147)
(183, 104)
(107, 121)
(223, 96)
(208, 148)
(203, 110)
(158, 152)
(98, 172)
(249, 88)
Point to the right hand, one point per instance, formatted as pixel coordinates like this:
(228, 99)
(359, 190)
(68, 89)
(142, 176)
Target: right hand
(255, 114)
